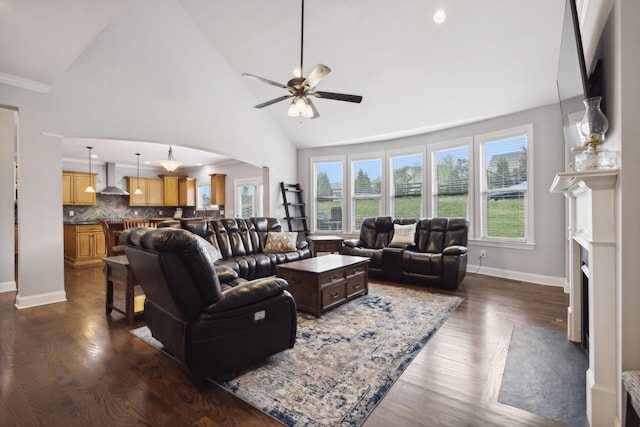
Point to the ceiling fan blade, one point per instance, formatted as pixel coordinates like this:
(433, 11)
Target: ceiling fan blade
(338, 96)
(273, 101)
(267, 81)
(317, 74)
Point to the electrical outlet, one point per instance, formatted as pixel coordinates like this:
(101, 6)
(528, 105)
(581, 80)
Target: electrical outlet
(135, 212)
(483, 254)
(71, 213)
(159, 212)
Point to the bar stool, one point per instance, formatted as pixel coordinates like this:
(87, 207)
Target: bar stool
(133, 222)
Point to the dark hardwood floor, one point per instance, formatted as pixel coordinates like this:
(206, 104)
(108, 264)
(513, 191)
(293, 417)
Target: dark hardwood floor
(68, 364)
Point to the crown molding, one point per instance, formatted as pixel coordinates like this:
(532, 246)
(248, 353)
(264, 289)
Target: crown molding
(22, 83)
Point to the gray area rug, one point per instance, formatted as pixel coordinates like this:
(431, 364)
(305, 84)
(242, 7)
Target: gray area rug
(344, 362)
(545, 375)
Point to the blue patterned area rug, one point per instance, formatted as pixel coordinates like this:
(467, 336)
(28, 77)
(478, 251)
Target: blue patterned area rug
(344, 362)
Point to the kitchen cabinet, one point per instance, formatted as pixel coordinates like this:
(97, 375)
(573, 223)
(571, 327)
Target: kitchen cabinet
(187, 191)
(218, 189)
(73, 186)
(152, 191)
(84, 244)
(171, 189)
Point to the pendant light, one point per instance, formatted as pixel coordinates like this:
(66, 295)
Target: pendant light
(138, 190)
(170, 164)
(90, 188)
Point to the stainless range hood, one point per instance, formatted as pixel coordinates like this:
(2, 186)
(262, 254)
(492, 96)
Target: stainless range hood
(111, 189)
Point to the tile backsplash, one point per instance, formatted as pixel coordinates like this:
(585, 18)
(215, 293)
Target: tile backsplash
(116, 207)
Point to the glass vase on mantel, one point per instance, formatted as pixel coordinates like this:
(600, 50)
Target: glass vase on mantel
(594, 126)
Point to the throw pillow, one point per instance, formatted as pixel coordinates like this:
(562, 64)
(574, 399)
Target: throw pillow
(403, 234)
(284, 241)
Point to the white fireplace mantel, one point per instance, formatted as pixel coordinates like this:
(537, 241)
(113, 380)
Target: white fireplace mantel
(591, 216)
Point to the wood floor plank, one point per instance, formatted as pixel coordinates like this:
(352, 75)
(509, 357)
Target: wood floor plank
(69, 364)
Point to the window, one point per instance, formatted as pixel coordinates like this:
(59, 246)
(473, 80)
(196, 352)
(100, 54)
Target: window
(328, 202)
(504, 196)
(406, 186)
(450, 179)
(204, 197)
(366, 190)
(249, 197)
(485, 178)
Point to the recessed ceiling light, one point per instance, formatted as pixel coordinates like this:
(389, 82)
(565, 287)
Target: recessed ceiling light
(439, 17)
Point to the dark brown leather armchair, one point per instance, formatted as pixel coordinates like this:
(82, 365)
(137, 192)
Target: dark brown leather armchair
(210, 320)
(375, 235)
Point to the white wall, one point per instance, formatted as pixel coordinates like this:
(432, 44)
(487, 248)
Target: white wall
(145, 77)
(546, 262)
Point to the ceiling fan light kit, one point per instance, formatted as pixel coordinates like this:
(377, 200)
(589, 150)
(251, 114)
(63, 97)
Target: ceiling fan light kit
(300, 87)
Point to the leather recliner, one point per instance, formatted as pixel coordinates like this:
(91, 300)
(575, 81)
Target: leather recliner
(439, 257)
(375, 235)
(210, 320)
(241, 243)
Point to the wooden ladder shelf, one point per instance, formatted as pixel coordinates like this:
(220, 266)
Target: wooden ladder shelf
(293, 203)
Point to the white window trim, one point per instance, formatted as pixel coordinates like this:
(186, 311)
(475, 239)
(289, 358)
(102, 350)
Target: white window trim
(390, 155)
(198, 191)
(312, 185)
(478, 140)
(471, 196)
(383, 184)
(256, 182)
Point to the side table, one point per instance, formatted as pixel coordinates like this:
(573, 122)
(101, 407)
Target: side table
(117, 272)
(324, 244)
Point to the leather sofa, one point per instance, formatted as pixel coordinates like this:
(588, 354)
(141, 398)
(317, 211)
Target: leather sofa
(242, 242)
(437, 257)
(213, 322)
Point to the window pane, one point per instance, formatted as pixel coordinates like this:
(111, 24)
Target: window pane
(450, 183)
(246, 200)
(504, 190)
(366, 196)
(204, 197)
(328, 197)
(406, 186)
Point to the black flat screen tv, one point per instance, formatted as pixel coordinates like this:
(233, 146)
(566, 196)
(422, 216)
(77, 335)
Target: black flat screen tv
(572, 79)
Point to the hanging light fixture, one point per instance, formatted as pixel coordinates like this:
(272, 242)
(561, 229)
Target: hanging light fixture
(90, 188)
(170, 164)
(138, 190)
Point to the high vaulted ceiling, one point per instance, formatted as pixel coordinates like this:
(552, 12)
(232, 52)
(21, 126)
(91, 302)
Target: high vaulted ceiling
(489, 58)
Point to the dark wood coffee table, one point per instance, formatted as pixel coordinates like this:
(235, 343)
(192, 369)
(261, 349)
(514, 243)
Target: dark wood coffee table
(322, 283)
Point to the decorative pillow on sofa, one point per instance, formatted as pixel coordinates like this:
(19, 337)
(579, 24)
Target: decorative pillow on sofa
(284, 241)
(403, 234)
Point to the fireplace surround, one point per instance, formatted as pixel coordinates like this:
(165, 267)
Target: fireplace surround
(591, 262)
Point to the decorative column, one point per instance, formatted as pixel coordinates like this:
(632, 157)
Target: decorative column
(592, 226)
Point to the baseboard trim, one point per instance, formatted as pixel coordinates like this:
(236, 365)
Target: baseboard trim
(518, 275)
(40, 299)
(8, 286)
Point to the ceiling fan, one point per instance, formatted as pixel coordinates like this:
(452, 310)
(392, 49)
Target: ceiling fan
(301, 88)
